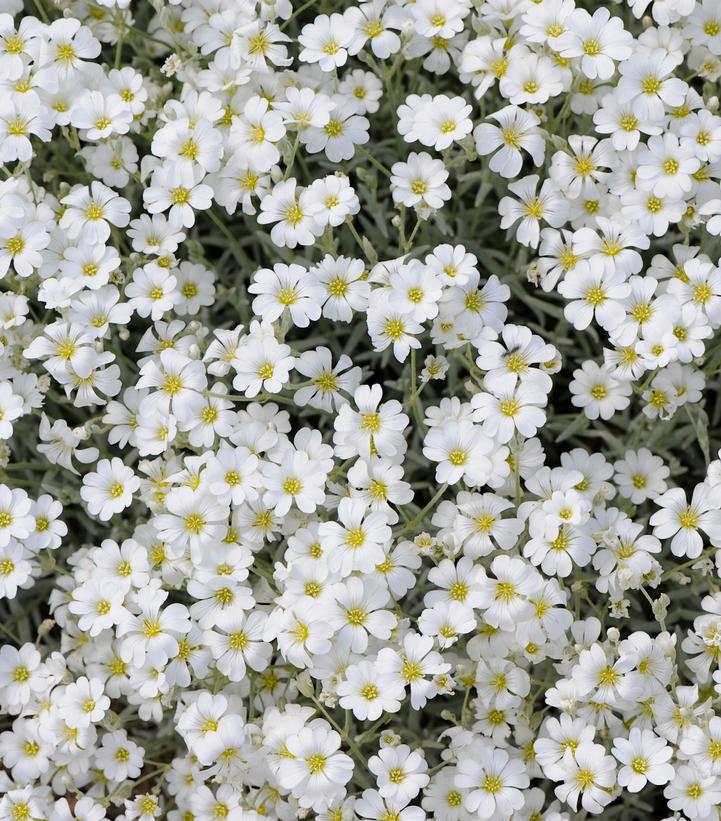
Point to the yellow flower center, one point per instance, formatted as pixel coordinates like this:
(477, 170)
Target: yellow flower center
(194, 523)
(650, 85)
(639, 764)
(411, 671)
(492, 784)
(505, 592)
(94, 211)
(294, 214)
(65, 53)
(584, 779)
(338, 287)
(642, 312)
(292, 486)
(394, 329)
(370, 692)
(458, 591)
(15, 245)
(238, 641)
(688, 518)
(370, 422)
(355, 538)
(333, 128)
(584, 166)
(180, 196)
(356, 616)
(607, 677)
(316, 763)
(509, 407)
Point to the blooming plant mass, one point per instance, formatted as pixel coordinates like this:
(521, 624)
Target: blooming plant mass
(360, 410)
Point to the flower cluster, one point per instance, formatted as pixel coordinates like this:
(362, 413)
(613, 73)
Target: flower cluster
(359, 391)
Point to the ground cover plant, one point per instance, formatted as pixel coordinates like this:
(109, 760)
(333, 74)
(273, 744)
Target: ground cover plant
(359, 410)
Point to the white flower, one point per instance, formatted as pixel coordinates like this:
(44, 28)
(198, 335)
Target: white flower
(461, 450)
(357, 613)
(374, 428)
(531, 208)
(400, 773)
(326, 41)
(597, 40)
(588, 774)
(286, 288)
(109, 489)
(682, 520)
(412, 664)
(255, 134)
(598, 392)
(194, 519)
(99, 608)
(640, 475)
(91, 211)
(318, 770)
(338, 137)
(693, 792)
(291, 210)
(84, 702)
(120, 757)
(517, 130)
(420, 181)
(367, 694)
(703, 746)
(152, 632)
(356, 543)
(645, 758)
(262, 363)
(493, 781)
(328, 382)
(178, 187)
(504, 598)
(21, 118)
(442, 121)
(236, 643)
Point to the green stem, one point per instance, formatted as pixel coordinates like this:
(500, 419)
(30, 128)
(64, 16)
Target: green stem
(41, 11)
(298, 11)
(343, 734)
(705, 555)
(223, 228)
(9, 633)
(291, 159)
(419, 518)
(378, 164)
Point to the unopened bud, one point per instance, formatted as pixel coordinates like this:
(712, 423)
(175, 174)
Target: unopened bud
(304, 683)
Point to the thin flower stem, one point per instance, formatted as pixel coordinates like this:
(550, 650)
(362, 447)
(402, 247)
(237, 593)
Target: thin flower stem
(240, 256)
(297, 12)
(419, 518)
(376, 162)
(343, 734)
(9, 633)
(711, 551)
(356, 235)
